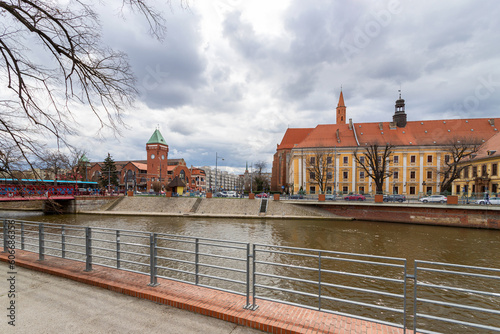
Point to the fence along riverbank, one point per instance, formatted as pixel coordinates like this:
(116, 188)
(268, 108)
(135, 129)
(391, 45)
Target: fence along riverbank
(360, 286)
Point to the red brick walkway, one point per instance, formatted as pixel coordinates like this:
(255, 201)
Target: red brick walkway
(269, 317)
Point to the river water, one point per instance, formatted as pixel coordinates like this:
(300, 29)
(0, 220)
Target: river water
(472, 247)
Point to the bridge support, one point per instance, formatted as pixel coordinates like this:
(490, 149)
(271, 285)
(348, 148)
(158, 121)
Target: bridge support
(59, 206)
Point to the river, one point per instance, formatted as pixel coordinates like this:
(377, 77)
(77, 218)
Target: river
(473, 247)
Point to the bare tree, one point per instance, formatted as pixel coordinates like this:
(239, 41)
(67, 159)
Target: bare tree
(55, 163)
(455, 161)
(320, 168)
(51, 60)
(261, 182)
(375, 161)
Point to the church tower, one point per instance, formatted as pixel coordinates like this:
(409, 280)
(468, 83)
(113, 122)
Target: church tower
(399, 117)
(157, 156)
(341, 110)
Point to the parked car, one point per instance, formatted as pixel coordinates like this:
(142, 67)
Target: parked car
(394, 198)
(330, 197)
(493, 200)
(220, 194)
(355, 197)
(296, 196)
(261, 195)
(434, 198)
(231, 193)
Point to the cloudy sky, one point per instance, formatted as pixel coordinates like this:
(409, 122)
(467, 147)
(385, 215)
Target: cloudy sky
(232, 75)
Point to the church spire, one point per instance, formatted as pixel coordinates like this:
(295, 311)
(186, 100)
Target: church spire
(341, 109)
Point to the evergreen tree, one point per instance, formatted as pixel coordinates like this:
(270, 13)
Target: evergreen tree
(108, 176)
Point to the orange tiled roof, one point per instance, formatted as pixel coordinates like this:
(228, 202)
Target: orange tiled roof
(422, 133)
(293, 136)
(490, 148)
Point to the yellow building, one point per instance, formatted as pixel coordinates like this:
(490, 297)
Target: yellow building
(420, 153)
(480, 173)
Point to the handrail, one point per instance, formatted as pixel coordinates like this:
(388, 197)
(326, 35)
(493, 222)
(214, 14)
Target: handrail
(320, 279)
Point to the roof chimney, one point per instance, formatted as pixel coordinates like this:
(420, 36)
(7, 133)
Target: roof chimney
(491, 121)
(381, 126)
(350, 123)
(338, 136)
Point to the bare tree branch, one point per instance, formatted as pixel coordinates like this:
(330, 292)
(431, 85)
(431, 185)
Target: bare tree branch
(51, 60)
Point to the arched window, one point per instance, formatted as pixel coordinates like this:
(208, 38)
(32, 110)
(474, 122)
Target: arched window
(182, 175)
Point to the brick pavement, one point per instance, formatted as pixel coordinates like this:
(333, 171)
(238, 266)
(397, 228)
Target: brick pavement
(269, 317)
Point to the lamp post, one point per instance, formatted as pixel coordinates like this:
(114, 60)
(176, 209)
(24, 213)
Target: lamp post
(216, 159)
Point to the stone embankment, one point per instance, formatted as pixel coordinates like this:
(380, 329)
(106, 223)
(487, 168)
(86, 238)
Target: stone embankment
(211, 207)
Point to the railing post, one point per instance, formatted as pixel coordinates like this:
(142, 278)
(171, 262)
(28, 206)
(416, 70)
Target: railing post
(118, 249)
(63, 242)
(415, 297)
(152, 258)
(22, 235)
(248, 277)
(41, 256)
(196, 259)
(254, 258)
(88, 249)
(319, 280)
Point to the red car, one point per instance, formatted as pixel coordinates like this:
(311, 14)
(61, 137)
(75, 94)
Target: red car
(355, 198)
(261, 195)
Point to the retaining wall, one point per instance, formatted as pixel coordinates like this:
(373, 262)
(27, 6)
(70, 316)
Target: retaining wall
(446, 215)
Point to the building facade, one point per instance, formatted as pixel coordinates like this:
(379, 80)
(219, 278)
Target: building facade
(420, 153)
(480, 173)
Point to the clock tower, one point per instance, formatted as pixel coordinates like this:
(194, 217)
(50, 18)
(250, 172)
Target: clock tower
(157, 156)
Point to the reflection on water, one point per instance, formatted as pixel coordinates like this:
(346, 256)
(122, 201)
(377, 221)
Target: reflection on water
(431, 243)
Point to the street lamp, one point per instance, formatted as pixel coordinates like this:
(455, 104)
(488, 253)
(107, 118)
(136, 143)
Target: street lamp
(216, 159)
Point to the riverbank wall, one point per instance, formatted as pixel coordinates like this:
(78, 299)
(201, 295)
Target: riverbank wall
(487, 217)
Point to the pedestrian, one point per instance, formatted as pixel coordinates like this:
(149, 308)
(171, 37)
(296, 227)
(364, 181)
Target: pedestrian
(487, 198)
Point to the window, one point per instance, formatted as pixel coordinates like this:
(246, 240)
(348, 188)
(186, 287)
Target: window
(483, 171)
(429, 190)
(362, 175)
(329, 175)
(413, 159)
(429, 174)
(312, 190)
(328, 190)
(447, 158)
(312, 175)
(494, 169)
(329, 160)
(412, 190)
(362, 159)
(361, 190)
(346, 175)
(396, 159)
(379, 159)
(457, 189)
(395, 175)
(312, 160)
(346, 160)
(412, 175)
(429, 159)
(345, 189)
(474, 171)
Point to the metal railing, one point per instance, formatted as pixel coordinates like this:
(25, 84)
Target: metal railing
(340, 283)
(470, 288)
(366, 287)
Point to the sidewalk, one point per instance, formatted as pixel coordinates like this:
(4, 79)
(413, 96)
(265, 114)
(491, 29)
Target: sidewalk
(50, 306)
(46, 303)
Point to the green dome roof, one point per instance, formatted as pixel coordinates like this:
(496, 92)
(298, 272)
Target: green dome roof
(157, 138)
